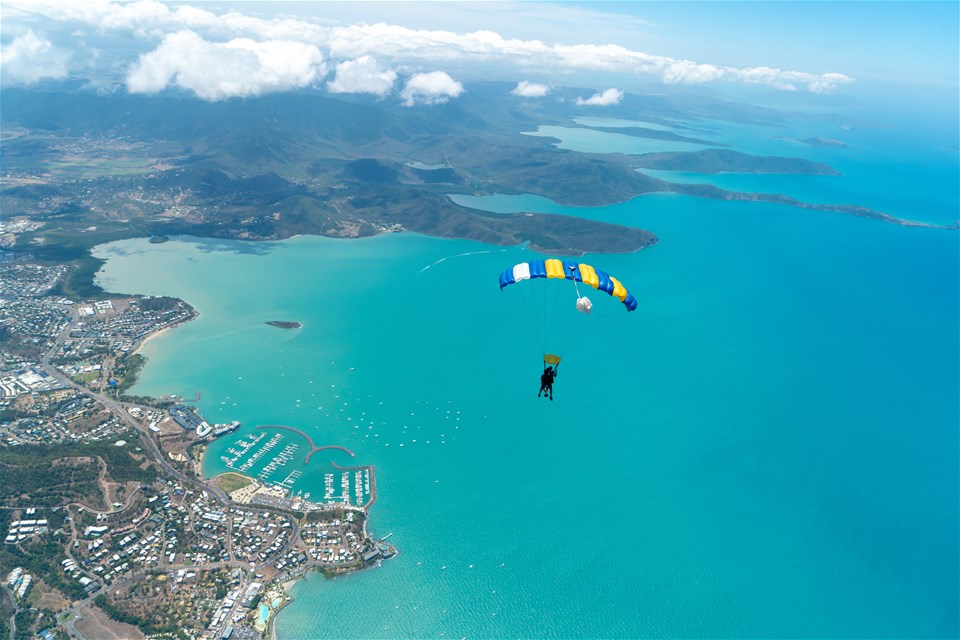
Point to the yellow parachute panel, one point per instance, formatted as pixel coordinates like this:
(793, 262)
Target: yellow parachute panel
(589, 275)
(619, 291)
(554, 269)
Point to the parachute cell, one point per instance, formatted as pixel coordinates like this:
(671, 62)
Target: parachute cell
(589, 275)
(555, 269)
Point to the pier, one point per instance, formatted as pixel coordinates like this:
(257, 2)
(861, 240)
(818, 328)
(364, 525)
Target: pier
(362, 476)
(370, 474)
(313, 447)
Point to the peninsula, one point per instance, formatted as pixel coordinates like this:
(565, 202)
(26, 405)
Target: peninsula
(728, 161)
(345, 167)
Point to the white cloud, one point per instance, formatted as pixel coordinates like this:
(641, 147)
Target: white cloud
(435, 87)
(827, 82)
(394, 45)
(87, 11)
(30, 58)
(363, 75)
(530, 89)
(214, 71)
(142, 18)
(609, 97)
(766, 75)
(687, 72)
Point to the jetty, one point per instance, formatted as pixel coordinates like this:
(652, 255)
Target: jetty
(364, 479)
(371, 489)
(313, 447)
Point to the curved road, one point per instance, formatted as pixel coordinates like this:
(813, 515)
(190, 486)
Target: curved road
(120, 411)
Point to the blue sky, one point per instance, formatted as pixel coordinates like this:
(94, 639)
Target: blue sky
(424, 51)
(884, 41)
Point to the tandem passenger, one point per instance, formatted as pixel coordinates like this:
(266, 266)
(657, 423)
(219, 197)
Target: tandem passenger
(546, 382)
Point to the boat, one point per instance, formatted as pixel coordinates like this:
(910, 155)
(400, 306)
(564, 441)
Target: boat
(221, 428)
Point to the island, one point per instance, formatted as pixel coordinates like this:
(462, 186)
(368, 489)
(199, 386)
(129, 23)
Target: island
(824, 142)
(284, 324)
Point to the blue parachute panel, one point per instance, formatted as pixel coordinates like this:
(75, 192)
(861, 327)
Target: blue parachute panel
(605, 285)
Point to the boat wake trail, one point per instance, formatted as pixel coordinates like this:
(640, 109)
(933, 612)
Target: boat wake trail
(460, 255)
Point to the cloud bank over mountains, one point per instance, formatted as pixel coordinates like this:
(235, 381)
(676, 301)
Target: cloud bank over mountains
(528, 89)
(218, 56)
(435, 87)
(608, 97)
(30, 58)
(216, 70)
(363, 75)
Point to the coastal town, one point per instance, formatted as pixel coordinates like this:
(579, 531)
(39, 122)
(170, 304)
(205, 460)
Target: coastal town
(110, 529)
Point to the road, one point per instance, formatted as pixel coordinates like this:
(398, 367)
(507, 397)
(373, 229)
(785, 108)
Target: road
(133, 577)
(7, 592)
(121, 411)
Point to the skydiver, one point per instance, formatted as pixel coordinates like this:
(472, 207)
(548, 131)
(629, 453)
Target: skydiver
(546, 382)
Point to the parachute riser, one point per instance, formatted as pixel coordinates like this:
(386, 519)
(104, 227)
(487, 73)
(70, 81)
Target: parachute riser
(583, 304)
(573, 276)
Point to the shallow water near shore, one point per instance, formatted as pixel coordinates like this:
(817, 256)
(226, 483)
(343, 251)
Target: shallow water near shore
(766, 447)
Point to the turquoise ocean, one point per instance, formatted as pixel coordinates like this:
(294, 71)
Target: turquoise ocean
(767, 447)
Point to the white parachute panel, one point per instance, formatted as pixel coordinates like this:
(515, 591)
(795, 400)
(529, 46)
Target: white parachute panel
(521, 271)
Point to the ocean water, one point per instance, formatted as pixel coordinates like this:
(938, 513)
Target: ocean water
(767, 447)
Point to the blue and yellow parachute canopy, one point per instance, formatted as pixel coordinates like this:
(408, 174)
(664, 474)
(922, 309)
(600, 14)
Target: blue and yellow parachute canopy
(570, 271)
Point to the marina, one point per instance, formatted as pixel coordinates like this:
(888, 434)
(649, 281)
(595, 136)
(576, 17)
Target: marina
(223, 428)
(258, 455)
(287, 483)
(240, 448)
(313, 447)
(280, 460)
(351, 487)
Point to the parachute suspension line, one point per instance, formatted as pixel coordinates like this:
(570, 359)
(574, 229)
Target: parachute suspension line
(541, 322)
(554, 322)
(534, 302)
(531, 309)
(546, 309)
(601, 324)
(559, 330)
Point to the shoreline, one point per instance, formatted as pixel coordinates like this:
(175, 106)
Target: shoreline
(283, 588)
(270, 628)
(155, 334)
